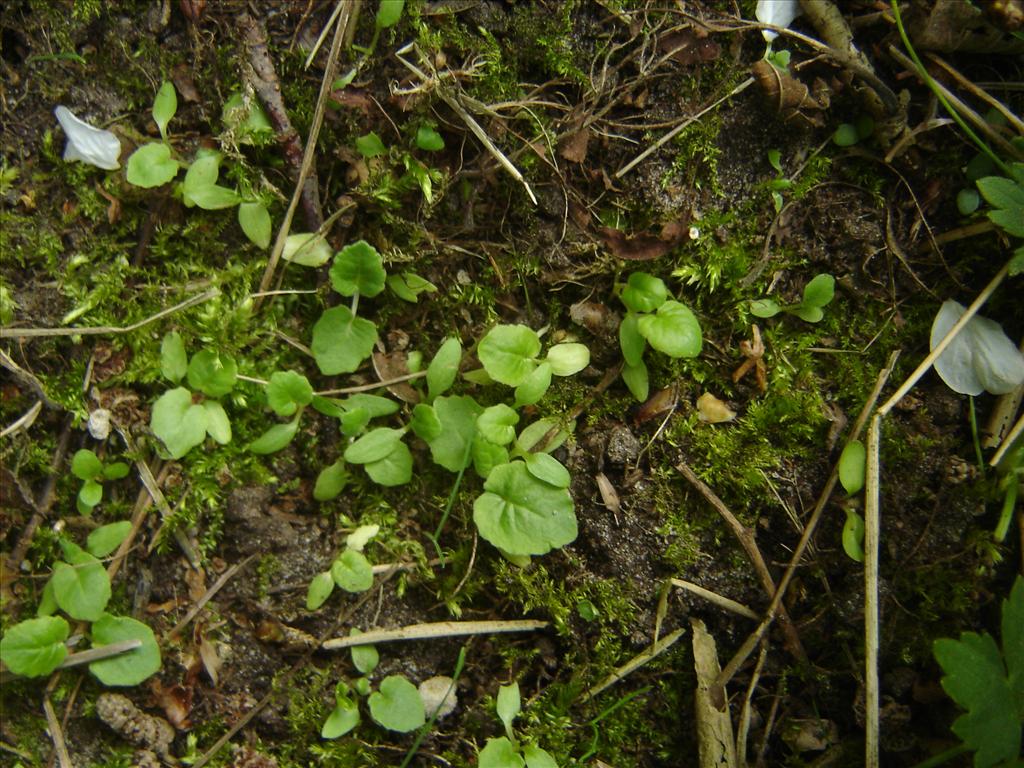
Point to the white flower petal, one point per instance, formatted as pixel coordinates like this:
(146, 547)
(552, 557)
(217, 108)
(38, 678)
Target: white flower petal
(955, 364)
(982, 358)
(88, 144)
(779, 13)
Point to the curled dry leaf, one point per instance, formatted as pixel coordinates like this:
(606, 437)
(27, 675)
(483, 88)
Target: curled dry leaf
(712, 410)
(609, 496)
(438, 693)
(595, 317)
(393, 365)
(657, 405)
(645, 247)
(793, 100)
(689, 47)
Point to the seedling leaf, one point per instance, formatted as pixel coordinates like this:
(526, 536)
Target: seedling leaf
(820, 291)
(424, 422)
(397, 705)
(1006, 196)
(981, 357)
(116, 471)
(487, 456)
(853, 536)
(352, 571)
(343, 718)
(370, 145)
(636, 380)
(523, 515)
(644, 292)
(808, 314)
(331, 481)
(320, 588)
(545, 467)
(429, 139)
(408, 286)
(543, 435)
(497, 424)
(35, 647)
(534, 386)
(500, 753)
(508, 353)
(307, 249)
(107, 538)
(764, 308)
(90, 494)
(275, 438)
(508, 705)
(537, 757)
(287, 390)
(364, 657)
(457, 415)
(218, 426)
(358, 269)
(151, 165)
(164, 106)
(674, 330)
(85, 465)
(373, 446)
(173, 359)
(211, 373)
(179, 423)
(444, 368)
(341, 341)
(851, 467)
(393, 469)
(129, 668)
(254, 219)
(631, 340)
(81, 586)
(568, 358)
(389, 13)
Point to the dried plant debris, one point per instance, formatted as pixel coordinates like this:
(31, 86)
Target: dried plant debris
(131, 723)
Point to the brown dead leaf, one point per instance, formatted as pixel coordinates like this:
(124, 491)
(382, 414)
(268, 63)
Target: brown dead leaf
(791, 97)
(645, 247)
(712, 410)
(393, 365)
(176, 702)
(196, 580)
(181, 76)
(353, 98)
(657, 405)
(573, 147)
(609, 496)
(211, 659)
(689, 47)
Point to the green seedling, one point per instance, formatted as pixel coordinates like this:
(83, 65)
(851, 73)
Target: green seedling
(288, 394)
(350, 570)
(817, 294)
(152, 165)
(1006, 196)
(848, 134)
(653, 318)
(87, 467)
(80, 588)
(989, 684)
(395, 705)
(780, 183)
(507, 751)
(387, 187)
(182, 417)
(510, 354)
(852, 463)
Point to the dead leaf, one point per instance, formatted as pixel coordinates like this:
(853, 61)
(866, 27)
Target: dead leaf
(573, 147)
(715, 744)
(609, 496)
(175, 701)
(657, 405)
(595, 317)
(712, 410)
(689, 47)
(645, 247)
(181, 76)
(793, 100)
(393, 365)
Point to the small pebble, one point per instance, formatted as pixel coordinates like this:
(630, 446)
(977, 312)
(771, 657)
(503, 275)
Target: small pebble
(433, 691)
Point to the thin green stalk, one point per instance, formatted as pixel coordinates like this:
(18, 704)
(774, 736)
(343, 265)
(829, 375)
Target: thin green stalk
(943, 757)
(923, 73)
(451, 502)
(459, 663)
(974, 435)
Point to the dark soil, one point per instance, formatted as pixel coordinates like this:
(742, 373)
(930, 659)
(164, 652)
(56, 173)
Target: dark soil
(83, 248)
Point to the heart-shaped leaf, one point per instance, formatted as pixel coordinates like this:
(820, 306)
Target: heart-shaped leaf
(352, 571)
(534, 386)
(497, 424)
(178, 422)
(674, 330)
(644, 293)
(358, 268)
(343, 718)
(286, 391)
(85, 465)
(151, 165)
(819, 292)
(397, 705)
(980, 358)
(508, 353)
(546, 467)
(394, 469)
(81, 586)
(212, 373)
(458, 414)
(128, 668)
(370, 145)
(341, 341)
(35, 647)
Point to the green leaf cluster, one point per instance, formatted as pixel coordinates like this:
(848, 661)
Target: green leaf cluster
(653, 318)
(510, 354)
(852, 463)
(989, 684)
(183, 417)
(350, 570)
(818, 293)
(1006, 196)
(507, 751)
(80, 587)
(87, 467)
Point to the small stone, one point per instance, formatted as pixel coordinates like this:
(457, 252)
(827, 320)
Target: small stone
(438, 693)
(99, 424)
(623, 447)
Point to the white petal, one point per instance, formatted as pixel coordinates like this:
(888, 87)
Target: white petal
(779, 13)
(955, 365)
(88, 144)
(998, 363)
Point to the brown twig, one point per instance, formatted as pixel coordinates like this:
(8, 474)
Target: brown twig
(746, 539)
(213, 590)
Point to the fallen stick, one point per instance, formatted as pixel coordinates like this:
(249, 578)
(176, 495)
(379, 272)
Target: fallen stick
(650, 652)
(434, 630)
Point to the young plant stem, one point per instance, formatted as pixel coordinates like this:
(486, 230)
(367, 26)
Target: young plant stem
(973, 416)
(451, 502)
(429, 725)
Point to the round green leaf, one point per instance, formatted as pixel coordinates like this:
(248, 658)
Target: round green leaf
(428, 139)
(254, 219)
(275, 438)
(523, 515)
(674, 330)
(458, 416)
(287, 390)
(845, 135)
(636, 380)
(568, 358)
(508, 353)
(444, 368)
(534, 386)
(364, 657)
(343, 718)
(424, 422)
(358, 268)
(851, 466)
(808, 314)
(370, 145)
(218, 426)
(320, 588)
(764, 308)
(644, 292)
(497, 424)
(90, 494)
(500, 753)
(394, 469)
(331, 481)
(487, 456)
(967, 201)
(179, 423)
(151, 165)
(819, 292)
(85, 465)
(373, 446)
(631, 341)
(211, 373)
(341, 341)
(128, 668)
(307, 249)
(107, 538)
(35, 647)
(116, 471)
(164, 106)
(81, 585)
(397, 705)
(545, 467)
(352, 571)
(173, 360)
